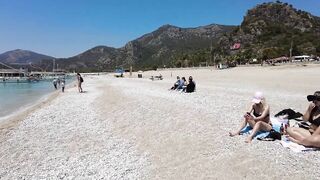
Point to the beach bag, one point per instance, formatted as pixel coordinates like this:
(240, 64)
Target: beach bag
(272, 136)
(81, 79)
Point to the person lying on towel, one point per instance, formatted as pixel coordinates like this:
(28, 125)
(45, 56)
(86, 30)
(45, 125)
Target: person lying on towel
(312, 115)
(258, 117)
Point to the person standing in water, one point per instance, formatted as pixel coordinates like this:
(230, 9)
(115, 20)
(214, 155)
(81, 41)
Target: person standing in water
(80, 81)
(55, 83)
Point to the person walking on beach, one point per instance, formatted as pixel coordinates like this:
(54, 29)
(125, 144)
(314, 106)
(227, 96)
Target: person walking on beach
(297, 134)
(55, 83)
(80, 81)
(258, 117)
(59, 81)
(62, 85)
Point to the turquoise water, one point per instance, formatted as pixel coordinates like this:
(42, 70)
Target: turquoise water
(16, 96)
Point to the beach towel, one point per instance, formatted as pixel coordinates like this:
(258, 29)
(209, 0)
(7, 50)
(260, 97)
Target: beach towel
(276, 124)
(296, 147)
(247, 130)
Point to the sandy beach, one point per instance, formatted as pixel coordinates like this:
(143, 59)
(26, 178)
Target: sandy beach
(135, 128)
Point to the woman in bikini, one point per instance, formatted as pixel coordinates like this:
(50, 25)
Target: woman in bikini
(312, 140)
(312, 115)
(258, 117)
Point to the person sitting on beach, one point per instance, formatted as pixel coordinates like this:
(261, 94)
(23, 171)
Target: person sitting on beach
(191, 86)
(313, 140)
(258, 117)
(176, 84)
(312, 115)
(185, 84)
(180, 86)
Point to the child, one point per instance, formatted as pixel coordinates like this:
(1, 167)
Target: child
(62, 85)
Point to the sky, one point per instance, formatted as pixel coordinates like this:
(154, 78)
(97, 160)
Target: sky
(65, 28)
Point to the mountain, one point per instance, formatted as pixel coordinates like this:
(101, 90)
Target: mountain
(157, 48)
(269, 30)
(22, 56)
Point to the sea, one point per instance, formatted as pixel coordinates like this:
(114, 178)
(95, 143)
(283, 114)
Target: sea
(15, 97)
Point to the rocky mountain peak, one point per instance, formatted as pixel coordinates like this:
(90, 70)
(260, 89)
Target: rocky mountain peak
(275, 13)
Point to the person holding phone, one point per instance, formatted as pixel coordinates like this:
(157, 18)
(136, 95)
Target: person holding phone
(312, 115)
(258, 117)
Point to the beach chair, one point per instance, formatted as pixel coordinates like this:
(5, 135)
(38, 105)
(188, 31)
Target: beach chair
(156, 78)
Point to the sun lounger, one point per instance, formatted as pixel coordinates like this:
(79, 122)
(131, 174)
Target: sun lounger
(156, 78)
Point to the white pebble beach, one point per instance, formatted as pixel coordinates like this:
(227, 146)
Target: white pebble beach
(135, 128)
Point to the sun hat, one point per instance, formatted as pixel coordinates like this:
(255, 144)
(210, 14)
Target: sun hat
(315, 96)
(258, 96)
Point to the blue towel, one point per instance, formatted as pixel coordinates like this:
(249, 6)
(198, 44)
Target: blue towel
(260, 134)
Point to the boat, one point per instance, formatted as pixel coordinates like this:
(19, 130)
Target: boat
(12, 75)
(49, 76)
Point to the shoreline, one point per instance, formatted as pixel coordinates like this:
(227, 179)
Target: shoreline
(10, 121)
(67, 138)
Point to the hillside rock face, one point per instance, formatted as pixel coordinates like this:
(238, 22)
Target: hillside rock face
(22, 56)
(280, 13)
(269, 29)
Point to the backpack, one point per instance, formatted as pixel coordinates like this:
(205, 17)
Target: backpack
(81, 79)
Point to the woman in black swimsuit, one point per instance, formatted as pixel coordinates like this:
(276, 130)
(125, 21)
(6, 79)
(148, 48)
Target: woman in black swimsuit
(312, 115)
(258, 117)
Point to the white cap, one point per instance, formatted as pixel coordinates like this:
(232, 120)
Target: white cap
(258, 96)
